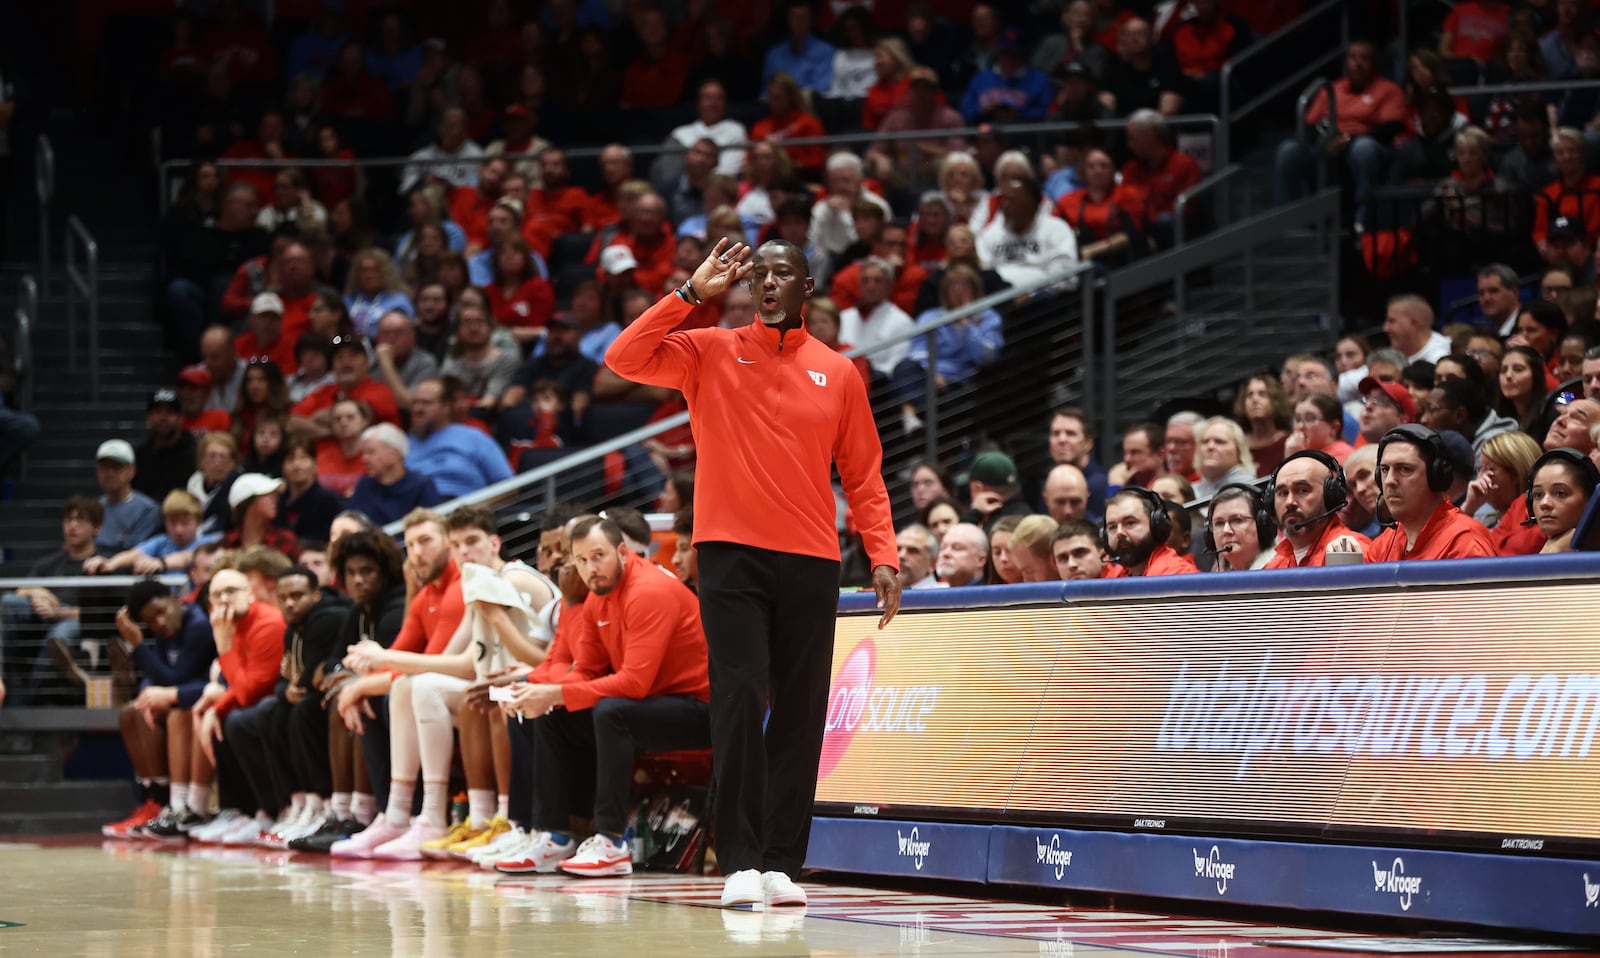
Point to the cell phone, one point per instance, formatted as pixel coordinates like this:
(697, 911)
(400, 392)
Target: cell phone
(501, 693)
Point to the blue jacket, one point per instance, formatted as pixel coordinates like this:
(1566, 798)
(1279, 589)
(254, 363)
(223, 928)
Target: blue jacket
(1028, 94)
(459, 459)
(385, 504)
(963, 349)
(182, 661)
(812, 67)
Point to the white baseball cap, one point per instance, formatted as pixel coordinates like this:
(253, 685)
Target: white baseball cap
(117, 450)
(250, 485)
(618, 259)
(266, 303)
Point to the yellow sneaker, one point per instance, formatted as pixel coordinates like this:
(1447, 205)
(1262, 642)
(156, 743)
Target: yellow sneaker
(497, 826)
(439, 847)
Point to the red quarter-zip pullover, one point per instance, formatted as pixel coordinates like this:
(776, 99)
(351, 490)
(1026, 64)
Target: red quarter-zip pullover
(771, 411)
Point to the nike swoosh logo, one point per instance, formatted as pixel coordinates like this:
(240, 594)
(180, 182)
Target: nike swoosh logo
(747, 362)
(603, 622)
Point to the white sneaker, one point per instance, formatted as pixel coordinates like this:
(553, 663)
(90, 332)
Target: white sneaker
(225, 822)
(781, 889)
(541, 856)
(499, 848)
(742, 888)
(247, 832)
(600, 857)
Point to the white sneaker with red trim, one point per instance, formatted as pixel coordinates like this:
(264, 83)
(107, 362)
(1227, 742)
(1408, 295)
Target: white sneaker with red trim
(599, 857)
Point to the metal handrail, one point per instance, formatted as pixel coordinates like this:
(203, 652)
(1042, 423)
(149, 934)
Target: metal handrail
(1532, 86)
(1225, 97)
(1303, 103)
(22, 359)
(44, 185)
(1184, 198)
(85, 286)
(548, 472)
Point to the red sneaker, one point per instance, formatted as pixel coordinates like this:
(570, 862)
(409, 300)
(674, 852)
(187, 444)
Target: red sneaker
(143, 815)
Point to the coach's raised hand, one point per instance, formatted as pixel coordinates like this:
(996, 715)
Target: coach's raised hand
(724, 266)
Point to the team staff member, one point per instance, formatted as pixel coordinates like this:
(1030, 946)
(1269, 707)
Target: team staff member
(1135, 533)
(771, 410)
(1306, 493)
(1416, 480)
(638, 683)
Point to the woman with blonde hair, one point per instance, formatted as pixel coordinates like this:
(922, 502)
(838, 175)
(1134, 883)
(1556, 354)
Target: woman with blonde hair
(1262, 405)
(1496, 496)
(893, 64)
(375, 287)
(765, 166)
(791, 119)
(1222, 456)
(961, 182)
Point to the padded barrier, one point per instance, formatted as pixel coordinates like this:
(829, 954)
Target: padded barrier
(1413, 739)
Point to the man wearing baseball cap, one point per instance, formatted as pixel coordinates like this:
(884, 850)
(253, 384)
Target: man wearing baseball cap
(995, 491)
(166, 458)
(1384, 405)
(352, 379)
(131, 516)
(1011, 89)
(194, 391)
(265, 335)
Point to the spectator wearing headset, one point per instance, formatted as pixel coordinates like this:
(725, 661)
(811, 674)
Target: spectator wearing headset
(1560, 486)
(1135, 534)
(1240, 531)
(1306, 494)
(1416, 476)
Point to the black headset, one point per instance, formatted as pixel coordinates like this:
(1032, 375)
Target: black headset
(1335, 491)
(1155, 509)
(1440, 473)
(1585, 467)
(1266, 525)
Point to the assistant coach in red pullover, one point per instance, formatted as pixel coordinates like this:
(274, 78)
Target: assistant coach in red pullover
(772, 409)
(249, 637)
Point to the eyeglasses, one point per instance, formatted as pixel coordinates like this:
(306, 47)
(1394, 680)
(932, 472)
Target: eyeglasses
(231, 590)
(1236, 523)
(1481, 354)
(1380, 400)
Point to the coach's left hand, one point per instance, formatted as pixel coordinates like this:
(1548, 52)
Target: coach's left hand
(887, 585)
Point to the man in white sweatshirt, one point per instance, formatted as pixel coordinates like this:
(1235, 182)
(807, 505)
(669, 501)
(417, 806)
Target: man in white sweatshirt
(1021, 244)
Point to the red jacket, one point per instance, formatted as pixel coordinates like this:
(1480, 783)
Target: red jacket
(1511, 537)
(373, 393)
(558, 658)
(640, 640)
(1166, 561)
(771, 412)
(1448, 534)
(251, 665)
(1317, 556)
(434, 614)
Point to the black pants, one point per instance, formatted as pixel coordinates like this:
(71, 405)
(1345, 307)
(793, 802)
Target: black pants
(308, 745)
(519, 794)
(769, 621)
(597, 748)
(375, 750)
(250, 733)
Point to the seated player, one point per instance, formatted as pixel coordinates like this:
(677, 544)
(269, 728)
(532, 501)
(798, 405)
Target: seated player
(1136, 532)
(248, 635)
(1416, 477)
(169, 641)
(638, 683)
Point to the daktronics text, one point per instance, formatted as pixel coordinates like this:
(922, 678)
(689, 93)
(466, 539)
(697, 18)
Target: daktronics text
(1264, 711)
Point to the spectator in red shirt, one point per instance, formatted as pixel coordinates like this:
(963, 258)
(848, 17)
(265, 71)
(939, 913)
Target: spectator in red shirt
(791, 119)
(267, 145)
(1107, 215)
(1416, 478)
(352, 365)
(1157, 171)
(1202, 43)
(264, 338)
(249, 637)
(351, 93)
(890, 246)
(1476, 29)
(893, 64)
(519, 299)
(339, 462)
(921, 108)
(1370, 111)
(470, 205)
(1136, 530)
(333, 185)
(655, 80)
(556, 206)
(605, 207)
(1574, 195)
(648, 235)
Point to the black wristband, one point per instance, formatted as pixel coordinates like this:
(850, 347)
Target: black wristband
(694, 297)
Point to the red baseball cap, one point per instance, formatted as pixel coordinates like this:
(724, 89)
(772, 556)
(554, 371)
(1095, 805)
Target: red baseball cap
(196, 375)
(1398, 393)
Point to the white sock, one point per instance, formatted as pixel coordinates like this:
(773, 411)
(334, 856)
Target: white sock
(180, 796)
(480, 806)
(297, 806)
(340, 804)
(314, 807)
(436, 803)
(199, 798)
(401, 795)
(363, 807)
(502, 806)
